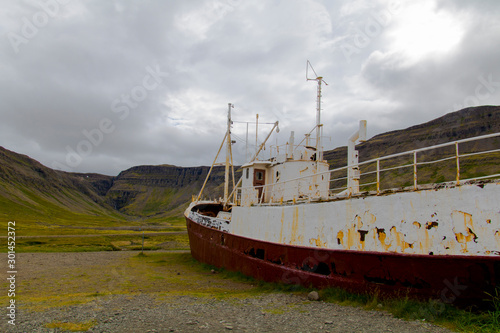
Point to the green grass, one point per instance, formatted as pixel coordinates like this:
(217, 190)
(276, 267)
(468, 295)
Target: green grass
(72, 327)
(431, 311)
(100, 243)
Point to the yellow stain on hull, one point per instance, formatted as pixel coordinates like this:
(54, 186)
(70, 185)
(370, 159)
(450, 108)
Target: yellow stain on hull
(282, 224)
(381, 237)
(295, 227)
(340, 238)
(469, 235)
(400, 242)
(317, 242)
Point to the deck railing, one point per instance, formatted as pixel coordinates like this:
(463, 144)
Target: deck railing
(374, 172)
(415, 163)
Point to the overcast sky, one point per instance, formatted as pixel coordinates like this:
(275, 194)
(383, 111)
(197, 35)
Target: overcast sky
(101, 86)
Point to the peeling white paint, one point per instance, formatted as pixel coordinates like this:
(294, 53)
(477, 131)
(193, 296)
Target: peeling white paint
(463, 220)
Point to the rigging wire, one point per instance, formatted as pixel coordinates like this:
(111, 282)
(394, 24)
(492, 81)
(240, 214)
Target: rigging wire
(307, 69)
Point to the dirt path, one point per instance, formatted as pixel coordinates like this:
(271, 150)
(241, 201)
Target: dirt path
(166, 292)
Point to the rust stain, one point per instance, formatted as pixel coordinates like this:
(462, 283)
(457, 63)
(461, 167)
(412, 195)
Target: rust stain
(352, 235)
(362, 238)
(451, 246)
(430, 225)
(323, 237)
(412, 237)
(282, 226)
(300, 239)
(468, 220)
(359, 222)
(469, 235)
(354, 238)
(426, 244)
(340, 238)
(400, 242)
(381, 237)
(317, 242)
(295, 226)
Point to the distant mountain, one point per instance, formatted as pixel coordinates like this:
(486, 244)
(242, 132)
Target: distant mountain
(163, 189)
(28, 189)
(466, 123)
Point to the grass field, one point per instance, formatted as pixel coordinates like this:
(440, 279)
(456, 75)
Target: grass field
(34, 236)
(55, 280)
(162, 274)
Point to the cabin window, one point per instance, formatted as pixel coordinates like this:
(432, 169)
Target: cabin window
(259, 175)
(277, 176)
(248, 173)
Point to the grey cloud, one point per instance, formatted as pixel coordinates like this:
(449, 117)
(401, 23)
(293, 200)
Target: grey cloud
(66, 79)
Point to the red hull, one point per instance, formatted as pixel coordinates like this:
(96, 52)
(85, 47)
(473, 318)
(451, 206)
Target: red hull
(461, 280)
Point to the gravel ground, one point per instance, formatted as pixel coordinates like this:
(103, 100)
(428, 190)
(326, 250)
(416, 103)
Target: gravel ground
(152, 311)
(143, 313)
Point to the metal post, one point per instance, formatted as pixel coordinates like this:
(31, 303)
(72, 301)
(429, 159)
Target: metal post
(319, 153)
(457, 156)
(378, 176)
(353, 173)
(228, 154)
(415, 170)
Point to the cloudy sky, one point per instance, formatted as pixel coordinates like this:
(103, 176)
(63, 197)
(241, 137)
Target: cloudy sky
(101, 86)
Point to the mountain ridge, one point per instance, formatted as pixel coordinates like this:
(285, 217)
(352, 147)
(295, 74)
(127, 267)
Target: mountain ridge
(159, 191)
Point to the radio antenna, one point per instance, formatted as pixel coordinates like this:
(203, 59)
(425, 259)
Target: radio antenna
(319, 126)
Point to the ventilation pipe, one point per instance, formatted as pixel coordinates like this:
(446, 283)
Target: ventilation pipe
(352, 158)
(290, 146)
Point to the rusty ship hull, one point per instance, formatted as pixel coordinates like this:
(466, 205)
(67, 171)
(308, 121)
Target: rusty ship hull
(292, 219)
(458, 279)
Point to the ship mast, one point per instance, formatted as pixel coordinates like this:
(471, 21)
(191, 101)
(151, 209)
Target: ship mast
(319, 125)
(228, 154)
(229, 162)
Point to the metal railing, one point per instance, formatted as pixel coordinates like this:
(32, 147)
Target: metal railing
(415, 163)
(375, 170)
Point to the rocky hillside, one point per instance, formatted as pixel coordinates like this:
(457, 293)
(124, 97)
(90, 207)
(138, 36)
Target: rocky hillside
(154, 190)
(453, 126)
(466, 123)
(28, 188)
